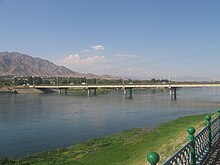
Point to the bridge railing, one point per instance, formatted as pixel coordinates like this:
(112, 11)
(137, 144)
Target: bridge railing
(197, 148)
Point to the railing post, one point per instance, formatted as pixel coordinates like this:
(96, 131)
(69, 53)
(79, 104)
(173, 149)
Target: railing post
(207, 120)
(191, 139)
(153, 158)
(219, 123)
(219, 112)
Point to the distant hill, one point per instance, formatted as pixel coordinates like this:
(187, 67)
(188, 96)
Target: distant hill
(14, 63)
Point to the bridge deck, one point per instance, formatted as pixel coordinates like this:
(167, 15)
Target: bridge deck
(127, 86)
(213, 157)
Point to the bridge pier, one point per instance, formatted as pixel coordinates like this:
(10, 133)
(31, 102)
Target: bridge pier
(59, 90)
(89, 91)
(173, 93)
(126, 92)
(95, 91)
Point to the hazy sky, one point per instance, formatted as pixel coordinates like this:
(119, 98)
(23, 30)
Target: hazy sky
(139, 38)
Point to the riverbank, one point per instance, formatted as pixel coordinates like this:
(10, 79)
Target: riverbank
(27, 90)
(7, 90)
(127, 147)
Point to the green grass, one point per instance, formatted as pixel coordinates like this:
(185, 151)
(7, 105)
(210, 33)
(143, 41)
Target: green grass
(126, 148)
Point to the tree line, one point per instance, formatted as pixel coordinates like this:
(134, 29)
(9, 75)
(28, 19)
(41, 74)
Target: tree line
(37, 80)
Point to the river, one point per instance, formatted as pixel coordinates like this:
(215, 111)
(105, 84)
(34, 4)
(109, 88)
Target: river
(31, 123)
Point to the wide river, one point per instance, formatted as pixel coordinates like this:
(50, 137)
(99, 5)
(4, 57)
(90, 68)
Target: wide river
(31, 123)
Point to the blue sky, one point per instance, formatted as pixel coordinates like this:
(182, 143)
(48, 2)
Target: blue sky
(136, 38)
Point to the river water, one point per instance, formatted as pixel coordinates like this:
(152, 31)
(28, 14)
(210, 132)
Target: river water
(31, 123)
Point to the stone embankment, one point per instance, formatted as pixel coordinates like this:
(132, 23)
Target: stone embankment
(27, 90)
(21, 90)
(6, 90)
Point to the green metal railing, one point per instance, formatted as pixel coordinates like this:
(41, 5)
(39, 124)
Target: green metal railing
(197, 148)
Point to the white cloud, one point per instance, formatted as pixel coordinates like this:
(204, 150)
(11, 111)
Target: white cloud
(74, 60)
(86, 51)
(98, 47)
(71, 60)
(92, 59)
(127, 55)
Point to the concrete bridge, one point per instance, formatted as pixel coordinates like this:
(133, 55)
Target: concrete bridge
(126, 87)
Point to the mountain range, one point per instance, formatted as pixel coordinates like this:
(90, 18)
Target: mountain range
(18, 64)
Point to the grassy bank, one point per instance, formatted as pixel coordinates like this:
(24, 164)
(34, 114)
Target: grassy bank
(128, 147)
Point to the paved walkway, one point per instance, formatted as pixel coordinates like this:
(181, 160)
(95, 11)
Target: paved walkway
(213, 158)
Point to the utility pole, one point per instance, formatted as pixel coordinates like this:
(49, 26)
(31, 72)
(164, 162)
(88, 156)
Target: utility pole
(169, 78)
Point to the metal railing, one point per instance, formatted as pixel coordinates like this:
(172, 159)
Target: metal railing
(197, 148)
